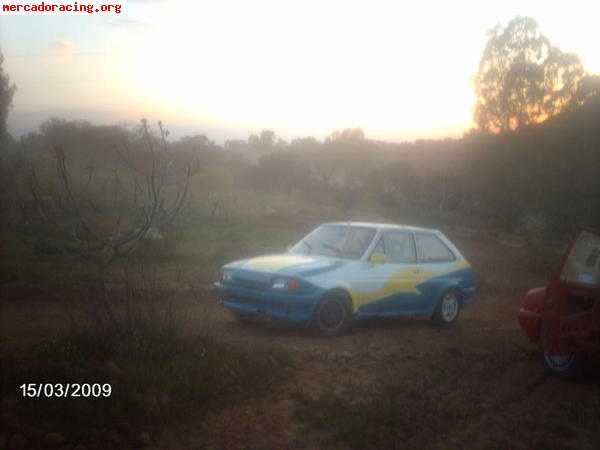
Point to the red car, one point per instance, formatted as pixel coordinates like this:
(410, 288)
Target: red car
(564, 317)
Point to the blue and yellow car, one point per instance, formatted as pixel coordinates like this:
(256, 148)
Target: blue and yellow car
(347, 271)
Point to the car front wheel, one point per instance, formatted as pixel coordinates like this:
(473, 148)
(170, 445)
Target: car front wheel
(333, 315)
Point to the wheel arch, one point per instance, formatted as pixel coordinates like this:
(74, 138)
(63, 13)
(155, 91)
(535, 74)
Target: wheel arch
(451, 287)
(339, 290)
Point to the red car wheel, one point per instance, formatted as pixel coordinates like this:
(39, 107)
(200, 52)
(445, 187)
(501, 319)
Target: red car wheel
(566, 366)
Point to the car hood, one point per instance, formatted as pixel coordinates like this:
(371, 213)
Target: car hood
(289, 264)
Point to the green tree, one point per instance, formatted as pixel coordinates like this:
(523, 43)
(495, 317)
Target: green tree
(346, 135)
(589, 87)
(523, 78)
(283, 171)
(7, 91)
(267, 140)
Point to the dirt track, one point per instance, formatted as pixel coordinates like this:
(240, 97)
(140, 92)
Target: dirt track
(484, 382)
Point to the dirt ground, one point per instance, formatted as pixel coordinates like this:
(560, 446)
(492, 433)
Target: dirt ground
(485, 380)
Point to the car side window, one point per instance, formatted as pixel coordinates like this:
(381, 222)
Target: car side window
(398, 247)
(432, 249)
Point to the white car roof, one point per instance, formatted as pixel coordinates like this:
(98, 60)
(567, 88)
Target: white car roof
(384, 226)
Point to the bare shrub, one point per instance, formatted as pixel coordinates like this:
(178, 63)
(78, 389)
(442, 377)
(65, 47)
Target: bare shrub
(135, 300)
(102, 222)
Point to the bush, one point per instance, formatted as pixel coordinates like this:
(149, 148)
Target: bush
(533, 226)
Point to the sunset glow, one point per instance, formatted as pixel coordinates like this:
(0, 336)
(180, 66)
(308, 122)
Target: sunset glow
(399, 71)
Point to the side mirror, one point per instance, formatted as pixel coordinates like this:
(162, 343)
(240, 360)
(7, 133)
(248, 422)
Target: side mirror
(377, 258)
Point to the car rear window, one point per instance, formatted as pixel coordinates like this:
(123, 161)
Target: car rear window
(431, 248)
(583, 263)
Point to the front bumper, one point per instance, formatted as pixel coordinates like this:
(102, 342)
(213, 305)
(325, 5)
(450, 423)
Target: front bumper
(296, 308)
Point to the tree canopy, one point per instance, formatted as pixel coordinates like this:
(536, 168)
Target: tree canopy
(7, 91)
(523, 78)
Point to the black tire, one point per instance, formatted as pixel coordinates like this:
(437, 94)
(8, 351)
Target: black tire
(448, 309)
(569, 366)
(333, 315)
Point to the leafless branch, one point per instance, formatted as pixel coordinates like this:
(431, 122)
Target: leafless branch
(104, 248)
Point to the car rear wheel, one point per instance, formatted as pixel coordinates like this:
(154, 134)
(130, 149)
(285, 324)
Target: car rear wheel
(448, 309)
(333, 315)
(568, 365)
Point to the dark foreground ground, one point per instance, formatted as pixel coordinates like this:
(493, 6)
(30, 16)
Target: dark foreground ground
(387, 384)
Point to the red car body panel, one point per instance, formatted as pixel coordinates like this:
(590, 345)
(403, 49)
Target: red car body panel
(531, 311)
(564, 317)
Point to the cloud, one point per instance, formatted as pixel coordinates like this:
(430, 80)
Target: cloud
(63, 51)
(130, 24)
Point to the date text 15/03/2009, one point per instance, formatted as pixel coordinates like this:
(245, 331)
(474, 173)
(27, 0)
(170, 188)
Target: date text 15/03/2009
(64, 390)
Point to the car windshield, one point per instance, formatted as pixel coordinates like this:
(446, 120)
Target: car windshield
(340, 241)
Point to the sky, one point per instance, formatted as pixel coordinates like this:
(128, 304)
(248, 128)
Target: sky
(400, 70)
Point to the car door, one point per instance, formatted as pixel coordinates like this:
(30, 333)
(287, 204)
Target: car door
(436, 263)
(571, 316)
(390, 275)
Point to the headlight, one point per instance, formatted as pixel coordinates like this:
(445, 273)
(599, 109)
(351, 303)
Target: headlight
(285, 284)
(226, 275)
